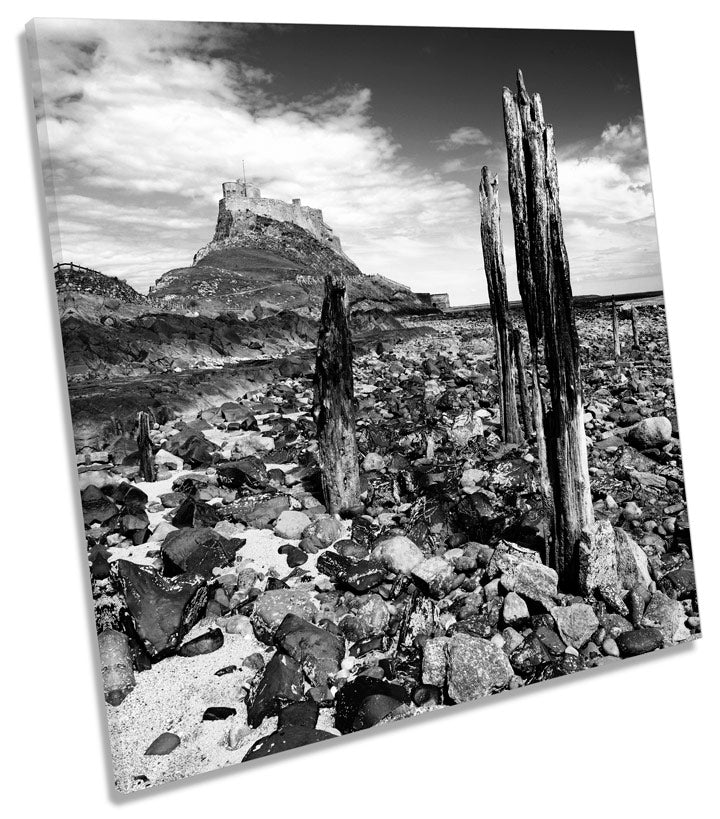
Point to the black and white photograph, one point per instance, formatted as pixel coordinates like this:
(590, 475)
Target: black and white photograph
(366, 351)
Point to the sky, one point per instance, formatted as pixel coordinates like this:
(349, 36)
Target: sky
(385, 129)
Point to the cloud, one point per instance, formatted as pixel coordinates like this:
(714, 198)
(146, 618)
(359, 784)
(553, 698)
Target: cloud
(144, 122)
(462, 137)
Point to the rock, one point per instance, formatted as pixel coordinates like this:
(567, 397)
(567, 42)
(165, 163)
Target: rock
(318, 652)
(326, 530)
(639, 641)
(466, 426)
(97, 506)
(166, 459)
(632, 562)
(162, 609)
(281, 682)
(192, 447)
(668, 616)
(373, 615)
(651, 432)
(353, 694)
(204, 644)
(285, 739)
(610, 647)
(435, 661)
(361, 576)
(272, 607)
(218, 712)
(398, 554)
(351, 549)
(426, 695)
(576, 623)
(374, 709)
(435, 575)
(515, 609)
(296, 557)
(116, 665)
(164, 744)
(291, 525)
(373, 462)
(197, 550)
(534, 581)
(476, 668)
(249, 471)
(300, 714)
(239, 624)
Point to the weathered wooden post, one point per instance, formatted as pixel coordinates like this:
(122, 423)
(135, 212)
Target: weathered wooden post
(147, 466)
(519, 356)
(616, 330)
(533, 148)
(491, 236)
(334, 395)
(634, 318)
(517, 180)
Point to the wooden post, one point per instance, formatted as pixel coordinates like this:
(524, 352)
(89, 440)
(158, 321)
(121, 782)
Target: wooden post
(147, 466)
(491, 236)
(334, 395)
(552, 297)
(616, 330)
(519, 356)
(634, 317)
(533, 318)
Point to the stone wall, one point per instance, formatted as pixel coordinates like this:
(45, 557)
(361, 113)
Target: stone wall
(240, 196)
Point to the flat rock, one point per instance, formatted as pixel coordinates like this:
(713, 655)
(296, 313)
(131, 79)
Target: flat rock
(318, 651)
(273, 606)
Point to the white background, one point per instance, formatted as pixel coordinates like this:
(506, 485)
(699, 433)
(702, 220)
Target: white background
(640, 738)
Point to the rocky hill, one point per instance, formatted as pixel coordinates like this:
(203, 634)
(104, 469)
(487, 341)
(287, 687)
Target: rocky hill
(255, 262)
(72, 278)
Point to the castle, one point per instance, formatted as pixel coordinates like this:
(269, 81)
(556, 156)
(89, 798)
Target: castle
(241, 196)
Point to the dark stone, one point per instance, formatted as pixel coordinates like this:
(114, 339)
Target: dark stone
(319, 652)
(248, 471)
(550, 639)
(228, 669)
(374, 709)
(281, 682)
(164, 744)
(351, 549)
(285, 739)
(204, 644)
(197, 550)
(426, 695)
(640, 641)
(193, 447)
(528, 655)
(361, 576)
(331, 564)
(218, 712)
(300, 714)
(162, 609)
(97, 506)
(194, 512)
(363, 647)
(351, 696)
(296, 557)
(679, 583)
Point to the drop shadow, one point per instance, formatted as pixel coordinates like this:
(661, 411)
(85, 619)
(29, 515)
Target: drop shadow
(63, 404)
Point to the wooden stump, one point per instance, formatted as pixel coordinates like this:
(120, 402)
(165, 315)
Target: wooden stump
(334, 396)
(491, 236)
(519, 357)
(147, 465)
(534, 182)
(634, 319)
(616, 331)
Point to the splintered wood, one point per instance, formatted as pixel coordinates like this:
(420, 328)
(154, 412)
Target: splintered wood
(334, 394)
(491, 236)
(544, 279)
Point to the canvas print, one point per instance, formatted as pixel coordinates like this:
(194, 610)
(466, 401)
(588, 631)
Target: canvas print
(368, 369)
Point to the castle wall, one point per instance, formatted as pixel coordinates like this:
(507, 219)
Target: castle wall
(239, 196)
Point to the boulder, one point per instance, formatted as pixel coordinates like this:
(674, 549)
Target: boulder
(398, 554)
(197, 550)
(435, 575)
(291, 525)
(280, 683)
(318, 651)
(668, 616)
(476, 668)
(249, 471)
(576, 623)
(651, 433)
(162, 609)
(273, 606)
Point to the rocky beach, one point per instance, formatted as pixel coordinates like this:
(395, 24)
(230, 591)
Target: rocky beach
(254, 621)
